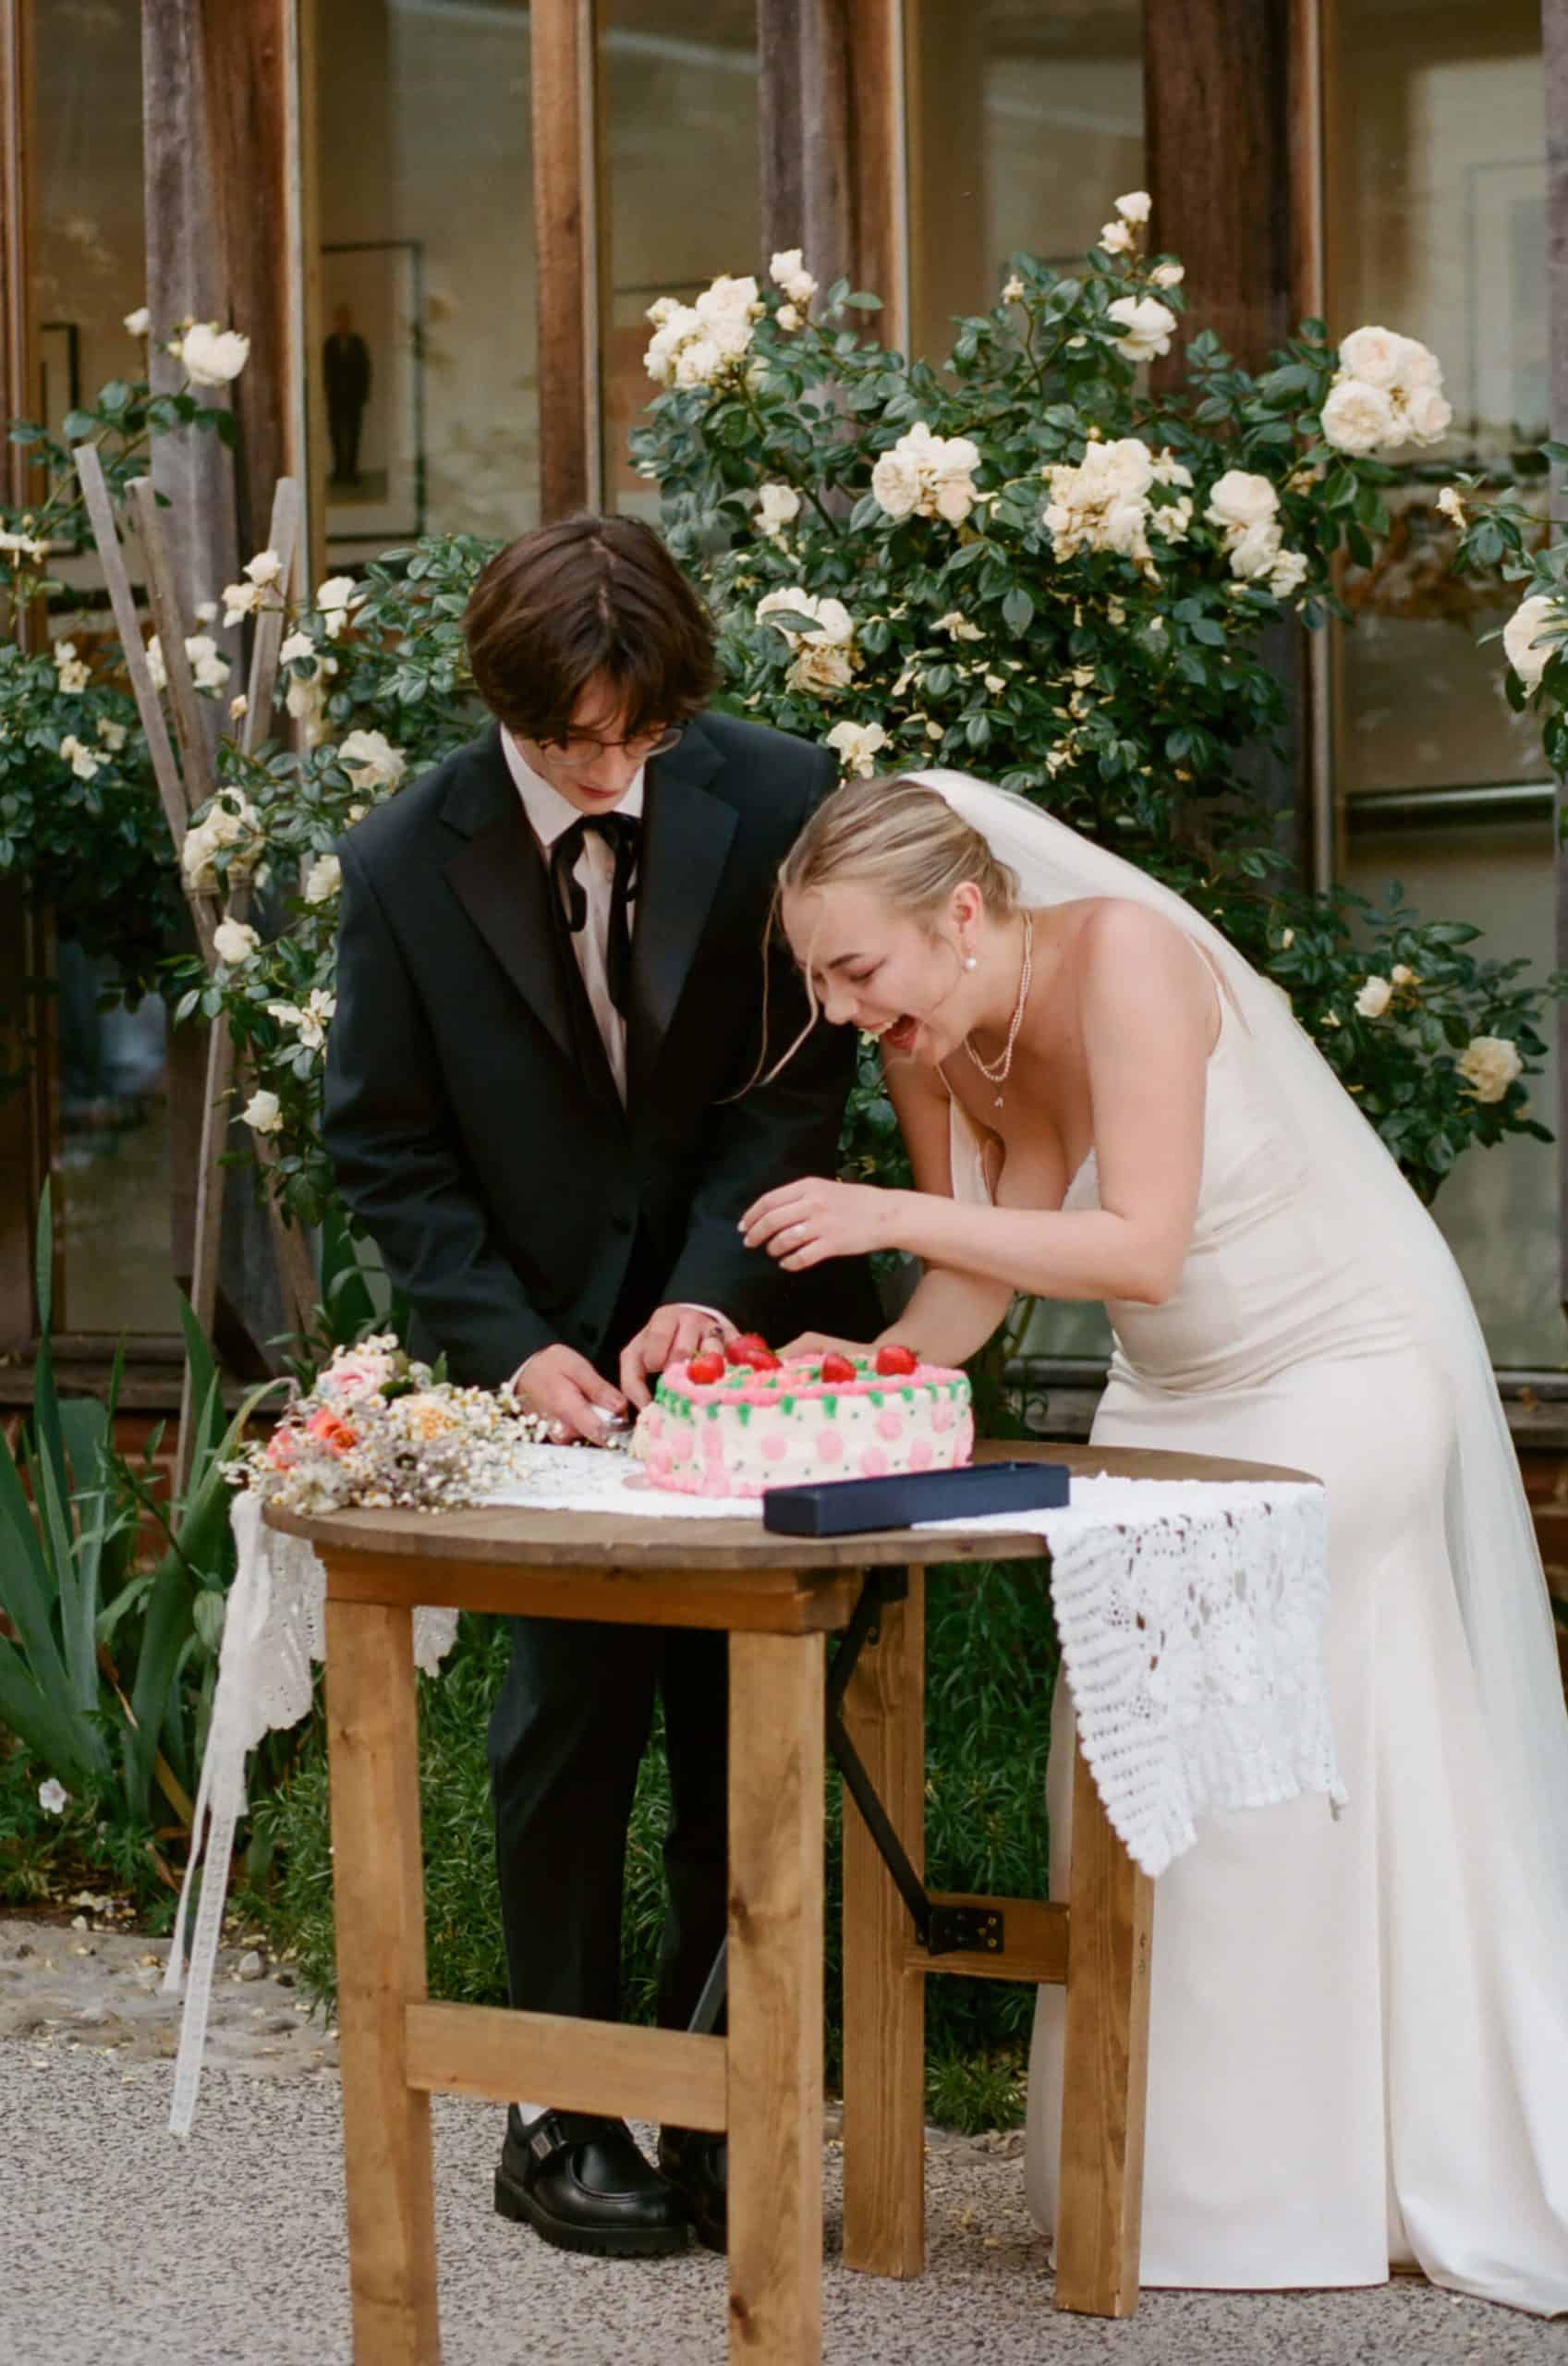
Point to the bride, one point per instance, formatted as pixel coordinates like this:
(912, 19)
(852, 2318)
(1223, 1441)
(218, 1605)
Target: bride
(1359, 2047)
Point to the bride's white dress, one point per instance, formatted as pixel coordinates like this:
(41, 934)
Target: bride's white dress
(1359, 2049)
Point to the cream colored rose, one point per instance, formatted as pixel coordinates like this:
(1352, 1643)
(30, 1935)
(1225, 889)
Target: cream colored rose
(264, 568)
(1527, 653)
(958, 625)
(323, 880)
(1146, 327)
(239, 599)
(112, 735)
(336, 599)
(263, 1113)
(1240, 498)
(210, 668)
(896, 481)
(83, 761)
(372, 760)
(1116, 238)
(1428, 414)
(73, 674)
(1358, 418)
(157, 672)
(788, 272)
(1168, 274)
(857, 746)
(1452, 505)
(1136, 206)
(1374, 998)
(1013, 290)
(1374, 355)
(234, 942)
(212, 357)
(1288, 573)
(821, 668)
(139, 322)
(1489, 1064)
(955, 499)
(298, 644)
(1418, 365)
(1256, 550)
(777, 507)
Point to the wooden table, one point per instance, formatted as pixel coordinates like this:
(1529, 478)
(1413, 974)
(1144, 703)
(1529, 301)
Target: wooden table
(777, 1598)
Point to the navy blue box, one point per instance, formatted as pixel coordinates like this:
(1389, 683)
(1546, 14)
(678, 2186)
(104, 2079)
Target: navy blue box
(850, 1507)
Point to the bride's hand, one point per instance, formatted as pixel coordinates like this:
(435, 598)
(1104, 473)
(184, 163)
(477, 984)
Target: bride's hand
(812, 1346)
(800, 1223)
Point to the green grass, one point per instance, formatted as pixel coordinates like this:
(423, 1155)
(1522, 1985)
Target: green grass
(990, 1656)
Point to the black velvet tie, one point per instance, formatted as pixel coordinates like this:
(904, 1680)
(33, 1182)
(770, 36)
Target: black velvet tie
(623, 835)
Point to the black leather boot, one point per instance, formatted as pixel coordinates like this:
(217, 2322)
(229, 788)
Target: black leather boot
(581, 2182)
(695, 2163)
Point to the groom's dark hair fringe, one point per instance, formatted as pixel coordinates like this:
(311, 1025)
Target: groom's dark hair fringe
(589, 596)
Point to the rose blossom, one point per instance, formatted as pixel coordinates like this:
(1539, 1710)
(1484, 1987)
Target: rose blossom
(212, 357)
(777, 507)
(1136, 206)
(1374, 356)
(1148, 326)
(234, 942)
(1374, 998)
(52, 1797)
(323, 880)
(139, 322)
(372, 758)
(263, 1113)
(1489, 1065)
(857, 744)
(1528, 654)
(1240, 498)
(1357, 416)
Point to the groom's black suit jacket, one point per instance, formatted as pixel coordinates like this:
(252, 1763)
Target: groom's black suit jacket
(470, 1113)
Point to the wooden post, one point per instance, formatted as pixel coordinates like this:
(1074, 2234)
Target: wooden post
(774, 2111)
(378, 1892)
(564, 57)
(832, 161)
(884, 1999)
(1554, 32)
(1100, 2208)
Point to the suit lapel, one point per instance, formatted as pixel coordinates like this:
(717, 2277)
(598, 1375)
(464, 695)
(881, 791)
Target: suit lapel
(686, 842)
(499, 877)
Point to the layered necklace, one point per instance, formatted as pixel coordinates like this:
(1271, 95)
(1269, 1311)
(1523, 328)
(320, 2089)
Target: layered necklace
(998, 1071)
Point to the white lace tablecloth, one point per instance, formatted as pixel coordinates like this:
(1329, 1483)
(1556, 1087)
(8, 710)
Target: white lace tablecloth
(1190, 1617)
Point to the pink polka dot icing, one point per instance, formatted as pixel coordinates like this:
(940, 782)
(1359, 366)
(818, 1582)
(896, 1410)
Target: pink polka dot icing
(752, 1429)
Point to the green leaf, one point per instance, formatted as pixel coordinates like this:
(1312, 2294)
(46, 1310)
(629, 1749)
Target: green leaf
(1017, 610)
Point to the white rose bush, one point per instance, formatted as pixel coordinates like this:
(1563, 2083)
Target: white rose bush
(1060, 562)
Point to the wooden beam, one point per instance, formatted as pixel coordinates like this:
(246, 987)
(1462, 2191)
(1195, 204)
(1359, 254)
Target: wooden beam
(1215, 79)
(610, 2067)
(24, 1128)
(563, 62)
(1554, 32)
(1105, 2064)
(832, 145)
(884, 1998)
(1035, 1947)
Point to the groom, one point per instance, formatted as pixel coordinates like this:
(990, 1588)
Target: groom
(550, 999)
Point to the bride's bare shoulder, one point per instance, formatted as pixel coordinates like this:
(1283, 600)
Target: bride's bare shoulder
(1129, 947)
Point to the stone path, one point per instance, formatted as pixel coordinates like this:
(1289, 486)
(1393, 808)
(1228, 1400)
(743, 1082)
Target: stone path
(120, 2244)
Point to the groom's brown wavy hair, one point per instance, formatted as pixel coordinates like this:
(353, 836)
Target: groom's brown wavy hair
(588, 597)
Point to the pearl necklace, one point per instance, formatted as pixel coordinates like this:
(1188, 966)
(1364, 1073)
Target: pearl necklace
(998, 1072)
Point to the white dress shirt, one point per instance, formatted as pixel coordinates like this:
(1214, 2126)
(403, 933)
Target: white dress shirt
(549, 813)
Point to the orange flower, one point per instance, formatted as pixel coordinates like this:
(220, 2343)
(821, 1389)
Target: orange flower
(333, 1433)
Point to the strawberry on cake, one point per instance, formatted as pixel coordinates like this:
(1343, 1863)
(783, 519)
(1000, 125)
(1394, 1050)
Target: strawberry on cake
(739, 1423)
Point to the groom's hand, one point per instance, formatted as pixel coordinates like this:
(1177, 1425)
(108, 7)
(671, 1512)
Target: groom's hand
(671, 1335)
(564, 1389)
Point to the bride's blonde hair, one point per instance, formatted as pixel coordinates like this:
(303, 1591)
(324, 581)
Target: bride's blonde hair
(904, 840)
(898, 837)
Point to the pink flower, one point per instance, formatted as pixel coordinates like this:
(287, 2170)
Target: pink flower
(283, 1449)
(334, 1434)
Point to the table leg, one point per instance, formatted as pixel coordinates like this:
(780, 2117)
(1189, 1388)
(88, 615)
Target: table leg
(775, 1999)
(1105, 2070)
(378, 1889)
(884, 2002)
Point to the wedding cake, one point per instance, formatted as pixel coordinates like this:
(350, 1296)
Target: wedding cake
(738, 1423)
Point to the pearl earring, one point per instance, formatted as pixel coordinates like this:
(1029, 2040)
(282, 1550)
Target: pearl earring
(969, 961)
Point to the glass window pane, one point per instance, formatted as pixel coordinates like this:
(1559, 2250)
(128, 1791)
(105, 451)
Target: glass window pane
(1026, 122)
(429, 375)
(1436, 186)
(110, 1161)
(680, 83)
(1497, 1209)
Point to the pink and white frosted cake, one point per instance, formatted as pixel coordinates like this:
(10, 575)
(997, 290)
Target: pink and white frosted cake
(737, 1427)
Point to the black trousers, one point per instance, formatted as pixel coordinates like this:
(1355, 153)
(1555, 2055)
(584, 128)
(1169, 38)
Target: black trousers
(567, 1737)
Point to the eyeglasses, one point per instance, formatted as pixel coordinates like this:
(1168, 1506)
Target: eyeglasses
(583, 749)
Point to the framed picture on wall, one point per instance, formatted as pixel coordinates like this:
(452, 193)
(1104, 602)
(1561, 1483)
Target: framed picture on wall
(372, 365)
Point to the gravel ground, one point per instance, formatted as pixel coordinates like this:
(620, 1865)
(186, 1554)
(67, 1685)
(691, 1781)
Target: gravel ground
(119, 2243)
